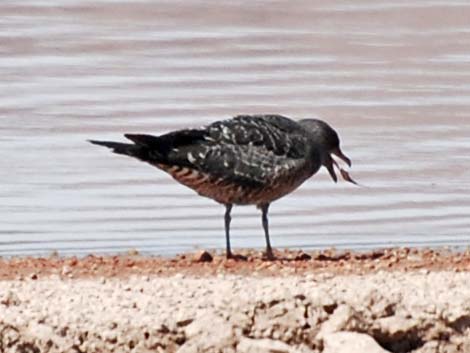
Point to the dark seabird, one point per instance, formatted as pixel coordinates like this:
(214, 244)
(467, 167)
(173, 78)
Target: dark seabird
(247, 160)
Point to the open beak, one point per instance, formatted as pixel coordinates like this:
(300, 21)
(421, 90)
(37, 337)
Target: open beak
(338, 153)
(329, 166)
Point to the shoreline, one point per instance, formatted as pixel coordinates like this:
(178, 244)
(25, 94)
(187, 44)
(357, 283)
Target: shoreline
(209, 263)
(392, 300)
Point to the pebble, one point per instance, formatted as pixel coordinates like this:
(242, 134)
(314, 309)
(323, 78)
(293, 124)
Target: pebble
(203, 256)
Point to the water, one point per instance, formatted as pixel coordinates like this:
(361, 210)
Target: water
(392, 78)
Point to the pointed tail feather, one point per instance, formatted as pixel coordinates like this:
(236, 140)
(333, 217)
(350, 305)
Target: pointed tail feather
(128, 149)
(117, 147)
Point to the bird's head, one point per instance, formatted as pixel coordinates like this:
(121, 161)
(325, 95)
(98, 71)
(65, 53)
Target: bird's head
(327, 139)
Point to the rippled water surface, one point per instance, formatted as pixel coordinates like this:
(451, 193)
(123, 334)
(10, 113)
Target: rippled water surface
(393, 77)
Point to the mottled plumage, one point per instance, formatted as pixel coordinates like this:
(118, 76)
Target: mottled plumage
(250, 159)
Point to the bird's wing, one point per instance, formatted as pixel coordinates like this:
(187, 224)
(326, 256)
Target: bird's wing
(248, 150)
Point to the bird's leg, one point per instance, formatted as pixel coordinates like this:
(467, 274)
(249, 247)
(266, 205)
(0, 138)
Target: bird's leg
(228, 218)
(269, 250)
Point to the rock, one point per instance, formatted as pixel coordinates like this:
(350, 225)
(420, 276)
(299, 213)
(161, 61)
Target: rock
(401, 334)
(321, 298)
(377, 254)
(302, 256)
(340, 320)
(203, 256)
(396, 327)
(372, 300)
(248, 345)
(279, 320)
(209, 333)
(350, 342)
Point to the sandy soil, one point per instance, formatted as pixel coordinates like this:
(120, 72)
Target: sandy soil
(396, 300)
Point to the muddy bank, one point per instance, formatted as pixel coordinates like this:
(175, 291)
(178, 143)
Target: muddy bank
(424, 310)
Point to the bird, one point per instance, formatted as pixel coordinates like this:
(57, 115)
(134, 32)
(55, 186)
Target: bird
(244, 160)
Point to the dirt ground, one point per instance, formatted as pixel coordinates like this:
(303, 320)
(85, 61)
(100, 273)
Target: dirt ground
(204, 263)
